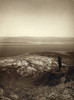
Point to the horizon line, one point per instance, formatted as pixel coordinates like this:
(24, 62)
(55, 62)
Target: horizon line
(39, 36)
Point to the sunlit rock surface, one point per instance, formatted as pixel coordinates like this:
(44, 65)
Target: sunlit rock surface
(29, 64)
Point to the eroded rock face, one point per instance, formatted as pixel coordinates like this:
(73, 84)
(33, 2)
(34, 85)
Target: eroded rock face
(29, 65)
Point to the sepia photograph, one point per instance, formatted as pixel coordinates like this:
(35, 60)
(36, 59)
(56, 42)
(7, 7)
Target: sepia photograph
(36, 49)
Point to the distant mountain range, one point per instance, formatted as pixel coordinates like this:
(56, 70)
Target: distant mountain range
(35, 40)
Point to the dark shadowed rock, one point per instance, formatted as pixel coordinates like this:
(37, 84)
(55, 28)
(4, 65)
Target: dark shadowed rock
(70, 74)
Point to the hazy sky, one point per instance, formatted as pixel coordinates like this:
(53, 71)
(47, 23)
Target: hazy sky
(37, 18)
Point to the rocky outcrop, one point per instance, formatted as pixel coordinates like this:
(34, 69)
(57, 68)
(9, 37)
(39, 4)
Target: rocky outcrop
(30, 65)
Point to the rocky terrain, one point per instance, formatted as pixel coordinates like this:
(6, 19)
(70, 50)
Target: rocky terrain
(35, 76)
